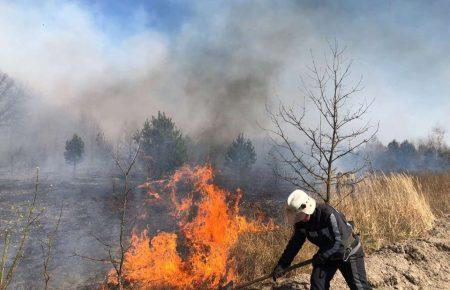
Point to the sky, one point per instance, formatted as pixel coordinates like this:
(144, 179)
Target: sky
(213, 65)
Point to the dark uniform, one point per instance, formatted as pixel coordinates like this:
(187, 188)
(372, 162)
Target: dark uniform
(338, 249)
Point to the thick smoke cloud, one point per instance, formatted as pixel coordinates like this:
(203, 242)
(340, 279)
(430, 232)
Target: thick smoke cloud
(215, 73)
(227, 65)
(214, 76)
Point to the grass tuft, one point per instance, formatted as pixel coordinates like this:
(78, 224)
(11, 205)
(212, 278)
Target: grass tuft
(388, 209)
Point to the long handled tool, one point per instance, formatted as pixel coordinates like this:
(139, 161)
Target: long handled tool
(230, 285)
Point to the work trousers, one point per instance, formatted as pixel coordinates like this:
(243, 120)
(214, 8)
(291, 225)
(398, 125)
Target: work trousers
(353, 270)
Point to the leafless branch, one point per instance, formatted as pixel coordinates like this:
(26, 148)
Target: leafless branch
(103, 260)
(10, 97)
(7, 272)
(313, 165)
(116, 253)
(47, 247)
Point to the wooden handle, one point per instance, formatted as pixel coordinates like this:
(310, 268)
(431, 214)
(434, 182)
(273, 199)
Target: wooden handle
(288, 269)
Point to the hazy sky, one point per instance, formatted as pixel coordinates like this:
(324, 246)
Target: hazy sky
(205, 62)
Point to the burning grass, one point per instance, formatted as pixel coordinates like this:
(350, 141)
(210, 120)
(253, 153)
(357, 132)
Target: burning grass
(197, 256)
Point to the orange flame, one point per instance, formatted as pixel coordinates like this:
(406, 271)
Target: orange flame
(207, 237)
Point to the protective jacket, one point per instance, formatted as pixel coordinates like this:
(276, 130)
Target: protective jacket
(328, 229)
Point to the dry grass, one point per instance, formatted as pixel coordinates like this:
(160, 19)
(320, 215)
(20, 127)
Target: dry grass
(387, 209)
(257, 253)
(437, 190)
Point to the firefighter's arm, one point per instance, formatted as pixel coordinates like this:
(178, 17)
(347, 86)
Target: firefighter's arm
(295, 243)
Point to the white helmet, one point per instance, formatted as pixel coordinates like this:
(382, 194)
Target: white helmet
(299, 201)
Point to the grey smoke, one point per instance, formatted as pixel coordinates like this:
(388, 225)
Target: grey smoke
(216, 72)
(217, 77)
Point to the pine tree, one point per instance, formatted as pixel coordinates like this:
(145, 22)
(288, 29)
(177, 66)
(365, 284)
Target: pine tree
(102, 148)
(74, 151)
(163, 145)
(407, 156)
(240, 155)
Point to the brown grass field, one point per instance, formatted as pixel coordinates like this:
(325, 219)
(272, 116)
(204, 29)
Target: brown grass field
(386, 209)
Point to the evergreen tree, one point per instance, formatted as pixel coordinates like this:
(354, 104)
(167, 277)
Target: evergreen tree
(163, 145)
(240, 155)
(407, 156)
(74, 151)
(102, 150)
(393, 149)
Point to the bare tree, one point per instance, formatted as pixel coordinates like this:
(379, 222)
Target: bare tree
(339, 131)
(118, 264)
(116, 253)
(47, 246)
(436, 138)
(345, 184)
(9, 99)
(124, 147)
(11, 257)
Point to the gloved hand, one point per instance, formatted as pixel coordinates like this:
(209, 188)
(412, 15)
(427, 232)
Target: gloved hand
(277, 272)
(318, 260)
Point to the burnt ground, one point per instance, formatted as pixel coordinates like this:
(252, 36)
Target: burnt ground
(416, 264)
(88, 209)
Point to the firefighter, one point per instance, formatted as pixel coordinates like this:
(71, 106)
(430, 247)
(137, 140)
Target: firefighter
(328, 229)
